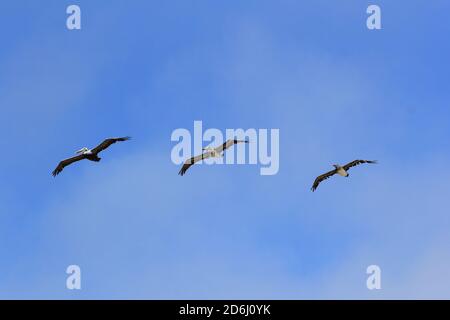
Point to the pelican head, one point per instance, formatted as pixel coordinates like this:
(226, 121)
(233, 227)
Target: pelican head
(83, 150)
(336, 166)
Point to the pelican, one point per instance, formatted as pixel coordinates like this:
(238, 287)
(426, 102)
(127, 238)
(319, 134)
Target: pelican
(88, 154)
(209, 153)
(342, 171)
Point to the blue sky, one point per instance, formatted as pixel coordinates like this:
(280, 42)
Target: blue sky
(336, 91)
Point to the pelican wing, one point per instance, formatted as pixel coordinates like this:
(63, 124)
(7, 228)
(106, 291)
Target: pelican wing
(229, 143)
(189, 162)
(355, 163)
(64, 163)
(322, 177)
(105, 144)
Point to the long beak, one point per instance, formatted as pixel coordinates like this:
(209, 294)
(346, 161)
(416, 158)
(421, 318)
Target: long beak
(79, 151)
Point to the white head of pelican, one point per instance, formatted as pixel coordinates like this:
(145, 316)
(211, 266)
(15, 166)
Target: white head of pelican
(83, 150)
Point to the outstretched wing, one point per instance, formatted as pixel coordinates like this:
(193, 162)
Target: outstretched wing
(229, 143)
(105, 144)
(322, 177)
(67, 162)
(357, 162)
(189, 162)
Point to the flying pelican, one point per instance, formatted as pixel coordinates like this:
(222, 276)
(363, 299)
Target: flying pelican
(342, 171)
(210, 153)
(88, 154)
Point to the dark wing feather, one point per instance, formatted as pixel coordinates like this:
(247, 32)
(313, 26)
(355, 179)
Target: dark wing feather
(105, 144)
(357, 162)
(322, 177)
(67, 162)
(189, 162)
(229, 143)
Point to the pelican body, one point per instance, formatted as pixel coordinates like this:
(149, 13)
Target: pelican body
(213, 153)
(89, 155)
(340, 170)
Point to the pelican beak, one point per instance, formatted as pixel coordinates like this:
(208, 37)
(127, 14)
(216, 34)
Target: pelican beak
(80, 151)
